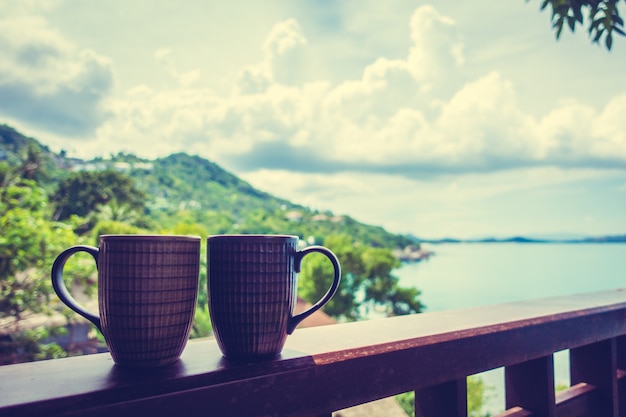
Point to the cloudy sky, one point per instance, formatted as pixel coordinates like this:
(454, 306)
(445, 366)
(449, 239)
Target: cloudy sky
(439, 118)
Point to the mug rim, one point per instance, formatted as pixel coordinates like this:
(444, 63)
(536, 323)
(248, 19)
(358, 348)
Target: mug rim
(149, 237)
(251, 237)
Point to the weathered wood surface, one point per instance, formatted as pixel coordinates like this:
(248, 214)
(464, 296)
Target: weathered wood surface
(323, 369)
(530, 385)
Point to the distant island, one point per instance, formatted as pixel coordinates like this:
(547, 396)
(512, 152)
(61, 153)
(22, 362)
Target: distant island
(417, 252)
(522, 239)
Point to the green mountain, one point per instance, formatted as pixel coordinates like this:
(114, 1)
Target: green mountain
(187, 188)
(16, 148)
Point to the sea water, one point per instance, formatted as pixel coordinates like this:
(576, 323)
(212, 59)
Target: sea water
(476, 274)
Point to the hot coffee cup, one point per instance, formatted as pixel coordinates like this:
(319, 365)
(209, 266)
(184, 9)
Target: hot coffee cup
(147, 292)
(252, 286)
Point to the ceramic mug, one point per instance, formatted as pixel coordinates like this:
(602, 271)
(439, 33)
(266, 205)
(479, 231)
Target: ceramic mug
(147, 292)
(252, 286)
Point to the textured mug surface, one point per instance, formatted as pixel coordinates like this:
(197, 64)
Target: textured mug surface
(252, 285)
(147, 292)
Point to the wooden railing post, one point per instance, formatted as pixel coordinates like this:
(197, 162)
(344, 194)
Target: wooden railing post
(444, 400)
(621, 371)
(530, 385)
(596, 364)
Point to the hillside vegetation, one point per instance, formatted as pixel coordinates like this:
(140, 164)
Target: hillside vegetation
(49, 202)
(191, 188)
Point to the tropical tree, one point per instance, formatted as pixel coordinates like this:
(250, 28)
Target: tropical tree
(28, 244)
(367, 281)
(87, 192)
(603, 17)
(5, 174)
(382, 287)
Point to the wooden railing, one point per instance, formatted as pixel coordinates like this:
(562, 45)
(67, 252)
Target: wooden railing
(329, 368)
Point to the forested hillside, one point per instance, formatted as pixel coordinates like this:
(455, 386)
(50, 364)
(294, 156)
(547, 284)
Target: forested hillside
(49, 202)
(184, 186)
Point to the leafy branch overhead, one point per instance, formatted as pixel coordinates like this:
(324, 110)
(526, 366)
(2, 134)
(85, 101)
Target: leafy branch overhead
(603, 18)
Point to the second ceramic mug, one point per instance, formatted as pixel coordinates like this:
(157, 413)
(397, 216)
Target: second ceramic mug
(252, 285)
(147, 292)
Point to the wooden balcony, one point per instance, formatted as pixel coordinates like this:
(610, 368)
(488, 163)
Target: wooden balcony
(324, 369)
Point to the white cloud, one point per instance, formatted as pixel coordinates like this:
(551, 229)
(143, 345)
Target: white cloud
(520, 201)
(576, 134)
(437, 49)
(283, 37)
(417, 114)
(386, 112)
(48, 81)
(184, 79)
(609, 130)
(566, 131)
(482, 126)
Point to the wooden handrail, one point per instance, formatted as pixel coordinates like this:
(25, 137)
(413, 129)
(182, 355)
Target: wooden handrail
(329, 368)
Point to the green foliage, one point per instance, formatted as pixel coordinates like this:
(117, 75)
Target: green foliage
(603, 17)
(112, 227)
(199, 222)
(367, 281)
(180, 194)
(185, 182)
(382, 287)
(85, 192)
(30, 345)
(28, 244)
(201, 323)
(478, 393)
(561, 387)
(167, 191)
(190, 187)
(27, 158)
(407, 402)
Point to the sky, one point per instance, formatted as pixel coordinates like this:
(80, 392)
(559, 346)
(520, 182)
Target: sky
(439, 119)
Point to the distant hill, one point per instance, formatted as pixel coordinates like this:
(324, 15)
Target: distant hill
(191, 184)
(182, 181)
(602, 239)
(14, 148)
(523, 239)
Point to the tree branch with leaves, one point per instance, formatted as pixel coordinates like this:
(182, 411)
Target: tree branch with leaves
(602, 18)
(367, 281)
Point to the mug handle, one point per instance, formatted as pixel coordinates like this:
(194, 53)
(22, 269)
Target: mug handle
(295, 320)
(59, 285)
